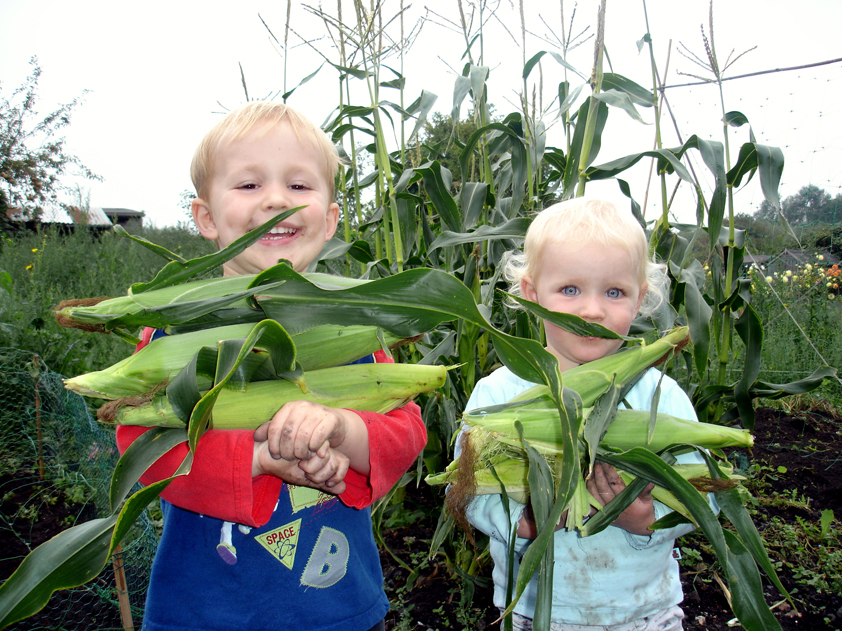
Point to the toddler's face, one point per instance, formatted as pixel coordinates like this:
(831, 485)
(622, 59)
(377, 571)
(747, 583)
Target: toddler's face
(595, 282)
(259, 176)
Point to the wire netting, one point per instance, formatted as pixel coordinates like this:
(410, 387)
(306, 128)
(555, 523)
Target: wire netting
(55, 472)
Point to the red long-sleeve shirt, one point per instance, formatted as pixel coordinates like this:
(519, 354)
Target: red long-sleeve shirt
(220, 483)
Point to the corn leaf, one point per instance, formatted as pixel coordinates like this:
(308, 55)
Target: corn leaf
(512, 229)
(177, 272)
(541, 489)
(568, 321)
(743, 577)
(568, 475)
(732, 506)
(603, 413)
(510, 569)
(183, 392)
(145, 450)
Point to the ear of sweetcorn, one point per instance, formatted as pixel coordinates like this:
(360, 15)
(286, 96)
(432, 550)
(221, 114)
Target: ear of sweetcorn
(163, 358)
(366, 387)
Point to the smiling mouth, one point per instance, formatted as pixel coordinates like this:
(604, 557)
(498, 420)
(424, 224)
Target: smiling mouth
(279, 232)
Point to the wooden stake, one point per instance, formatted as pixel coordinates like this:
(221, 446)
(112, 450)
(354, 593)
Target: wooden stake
(122, 589)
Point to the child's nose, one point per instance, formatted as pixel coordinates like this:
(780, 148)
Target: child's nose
(591, 308)
(274, 198)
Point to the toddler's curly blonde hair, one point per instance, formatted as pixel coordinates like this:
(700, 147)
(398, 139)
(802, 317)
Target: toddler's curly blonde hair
(579, 221)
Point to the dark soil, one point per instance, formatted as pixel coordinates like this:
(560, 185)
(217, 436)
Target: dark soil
(46, 513)
(808, 446)
(800, 453)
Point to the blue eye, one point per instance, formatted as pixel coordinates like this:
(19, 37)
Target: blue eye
(614, 293)
(570, 290)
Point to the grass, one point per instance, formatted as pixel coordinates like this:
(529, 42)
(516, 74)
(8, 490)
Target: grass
(37, 271)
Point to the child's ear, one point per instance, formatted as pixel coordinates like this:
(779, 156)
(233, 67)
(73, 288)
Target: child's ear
(204, 220)
(527, 289)
(332, 221)
(643, 289)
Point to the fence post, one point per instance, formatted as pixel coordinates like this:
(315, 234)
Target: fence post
(122, 589)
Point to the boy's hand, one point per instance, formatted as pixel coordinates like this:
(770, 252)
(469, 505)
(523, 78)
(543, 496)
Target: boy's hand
(324, 473)
(605, 484)
(301, 430)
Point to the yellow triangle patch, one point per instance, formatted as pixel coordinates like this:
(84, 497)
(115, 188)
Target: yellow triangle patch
(302, 497)
(282, 542)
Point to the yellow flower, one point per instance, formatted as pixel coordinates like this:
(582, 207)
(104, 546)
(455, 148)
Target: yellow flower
(831, 296)
(34, 250)
(820, 257)
(29, 267)
(769, 279)
(789, 272)
(808, 267)
(829, 285)
(785, 279)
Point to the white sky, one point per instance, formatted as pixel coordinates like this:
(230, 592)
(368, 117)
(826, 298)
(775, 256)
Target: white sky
(157, 71)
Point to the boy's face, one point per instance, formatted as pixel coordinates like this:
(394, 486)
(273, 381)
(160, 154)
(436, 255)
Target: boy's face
(256, 177)
(595, 282)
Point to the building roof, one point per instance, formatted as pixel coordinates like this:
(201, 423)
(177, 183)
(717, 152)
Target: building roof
(123, 212)
(95, 217)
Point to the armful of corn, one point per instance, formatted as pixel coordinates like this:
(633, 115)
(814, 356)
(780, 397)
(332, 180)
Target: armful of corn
(491, 440)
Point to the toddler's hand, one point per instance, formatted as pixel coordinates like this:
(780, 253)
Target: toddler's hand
(605, 484)
(301, 429)
(324, 473)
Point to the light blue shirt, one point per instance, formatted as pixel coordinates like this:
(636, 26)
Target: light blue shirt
(609, 578)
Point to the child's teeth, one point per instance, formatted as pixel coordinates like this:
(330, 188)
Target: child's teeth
(280, 230)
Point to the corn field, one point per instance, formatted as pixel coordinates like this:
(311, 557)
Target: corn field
(430, 204)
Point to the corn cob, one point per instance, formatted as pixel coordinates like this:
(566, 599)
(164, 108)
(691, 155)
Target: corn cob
(541, 428)
(489, 435)
(161, 359)
(365, 387)
(513, 473)
(70, 314)
(592, 379)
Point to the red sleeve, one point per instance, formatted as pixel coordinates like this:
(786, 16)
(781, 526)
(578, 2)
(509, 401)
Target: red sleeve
(220, 484)
(395, 439)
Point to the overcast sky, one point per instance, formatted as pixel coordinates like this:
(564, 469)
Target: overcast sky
(158, 74)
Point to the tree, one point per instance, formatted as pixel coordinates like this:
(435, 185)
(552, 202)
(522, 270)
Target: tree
(809, 205)
(444, 143)
(33, 156)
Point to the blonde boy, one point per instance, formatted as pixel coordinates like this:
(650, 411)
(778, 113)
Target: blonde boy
(587, 258)
(271, 529)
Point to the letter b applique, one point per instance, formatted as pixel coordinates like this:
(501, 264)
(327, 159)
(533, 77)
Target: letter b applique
(328, 562)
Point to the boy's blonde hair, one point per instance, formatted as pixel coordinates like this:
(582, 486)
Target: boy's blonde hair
(244, 120)
(579, 221)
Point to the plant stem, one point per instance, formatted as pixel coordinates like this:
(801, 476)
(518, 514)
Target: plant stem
(596, 83)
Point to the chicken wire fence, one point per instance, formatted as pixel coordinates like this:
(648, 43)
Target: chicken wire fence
(55, 471)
